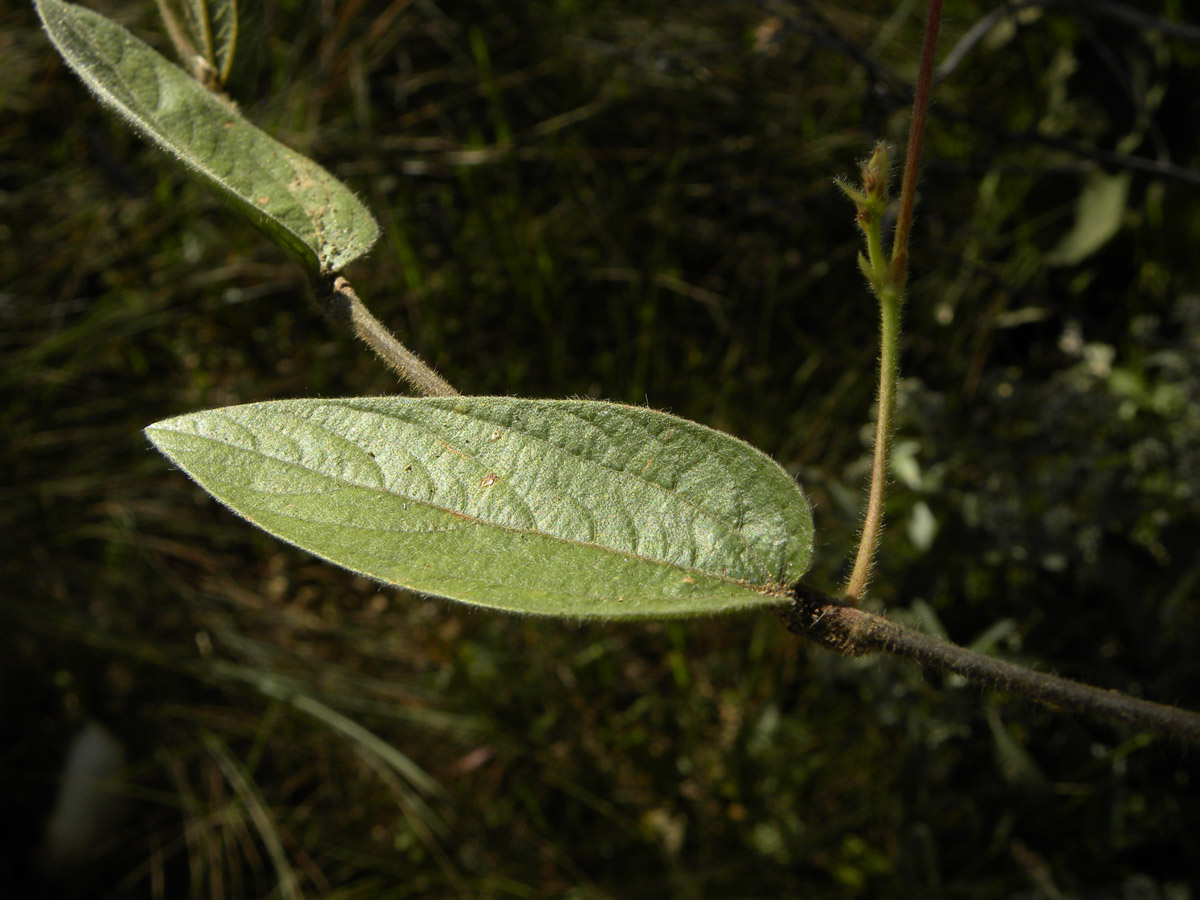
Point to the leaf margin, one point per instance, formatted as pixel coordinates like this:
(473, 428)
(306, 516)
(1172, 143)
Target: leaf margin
(726, 595)
(317, 251)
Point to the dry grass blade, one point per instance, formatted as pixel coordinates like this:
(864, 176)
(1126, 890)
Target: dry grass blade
(264, 821)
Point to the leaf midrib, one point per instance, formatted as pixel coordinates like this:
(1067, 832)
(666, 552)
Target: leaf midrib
(708, 514)
(753, 558)
(758, 587)
(771, 588)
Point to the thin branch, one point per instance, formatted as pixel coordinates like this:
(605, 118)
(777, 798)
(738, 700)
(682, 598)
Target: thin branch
(856, 632)
(342, 305)
(973, 35)
(894, 91)
(1157, 168)
(889, 287)
(811, 21)
(1098, 8)
(916, 135)
(1123, 12)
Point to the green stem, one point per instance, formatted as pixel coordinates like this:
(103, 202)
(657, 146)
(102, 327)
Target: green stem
(889, 287)
(890, 301)
(875, 251)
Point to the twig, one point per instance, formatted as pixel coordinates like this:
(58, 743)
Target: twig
(888, 281)
(342, 305)
(1157, 168)
(856, 632)
(895, 91)
(1123, 12)
(916, 135)
(973, 35)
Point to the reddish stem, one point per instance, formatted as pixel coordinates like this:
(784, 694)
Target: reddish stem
(916, 133)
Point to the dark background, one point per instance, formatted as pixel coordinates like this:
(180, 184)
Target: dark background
(632, 201)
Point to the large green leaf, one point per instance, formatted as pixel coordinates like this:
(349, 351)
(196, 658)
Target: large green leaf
(287, 195)
(554, 507)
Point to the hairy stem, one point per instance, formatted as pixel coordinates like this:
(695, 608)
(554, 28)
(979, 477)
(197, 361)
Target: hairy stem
(889, 373)
(875, 252)
(856, 632)
(916, 134)
(889, 287)
(343, 305)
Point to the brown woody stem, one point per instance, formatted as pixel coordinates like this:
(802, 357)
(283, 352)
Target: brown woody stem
(856, 632)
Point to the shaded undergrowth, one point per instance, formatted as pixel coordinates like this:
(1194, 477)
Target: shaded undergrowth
(633, 203)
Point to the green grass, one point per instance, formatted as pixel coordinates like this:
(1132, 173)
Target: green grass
(632, 202)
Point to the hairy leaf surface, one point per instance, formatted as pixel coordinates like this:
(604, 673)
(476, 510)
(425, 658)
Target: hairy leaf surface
(573, 508)
(295, 201)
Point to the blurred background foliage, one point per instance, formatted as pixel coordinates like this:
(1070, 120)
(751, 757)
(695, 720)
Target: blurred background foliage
(631, 201)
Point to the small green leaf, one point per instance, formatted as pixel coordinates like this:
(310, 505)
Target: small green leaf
(1099, 212)
(296, 202)
(571, 508)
